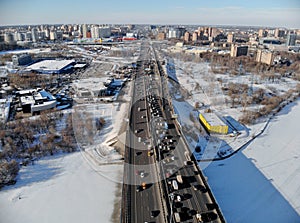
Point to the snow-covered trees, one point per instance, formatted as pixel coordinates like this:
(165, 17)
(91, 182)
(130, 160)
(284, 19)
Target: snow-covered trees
(8, 172)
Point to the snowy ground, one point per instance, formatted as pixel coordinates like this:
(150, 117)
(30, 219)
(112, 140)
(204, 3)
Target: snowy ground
(46, 50)
(261, 183)
(63, 188)
(79, 187)
(197, 84)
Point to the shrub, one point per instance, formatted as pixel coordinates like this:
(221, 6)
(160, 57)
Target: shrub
(8, 172)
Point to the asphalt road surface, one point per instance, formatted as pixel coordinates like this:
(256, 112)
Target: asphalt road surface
(159, 177)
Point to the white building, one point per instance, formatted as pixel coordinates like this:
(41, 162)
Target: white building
(8, 38)
(95, 32)
(173, 33)
(84, 30)
(53, 35)
(35, 100)
(34, 34)
(51, 66)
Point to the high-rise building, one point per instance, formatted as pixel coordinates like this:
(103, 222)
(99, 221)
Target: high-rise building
(53, 35)
(214, 32)
(19, 36)
(176, 32)
(262, 33)
(238, 50)
(59, 34)
(195, 37)
(41, 35)
(34, 35)
(209, 31)
(84, 30)
(8, 38)
(279, 33)
(173, 33)
(47, 33)
(266, 57)
(187, 37)
(95, 33)
(28, 36)
(230, 37)
(161, 36)
(104, 32)
(291, 39)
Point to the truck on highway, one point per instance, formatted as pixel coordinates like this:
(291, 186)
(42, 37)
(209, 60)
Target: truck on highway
(179, 178)
(144, 185)
(177, 217)
(199, 217)
(175, 185)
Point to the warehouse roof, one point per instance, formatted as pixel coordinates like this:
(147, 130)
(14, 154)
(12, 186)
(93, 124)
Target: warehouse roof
(50, 65)
(213, 119)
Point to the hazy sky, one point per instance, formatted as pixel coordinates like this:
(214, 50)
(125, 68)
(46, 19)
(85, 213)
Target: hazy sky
(277, 13)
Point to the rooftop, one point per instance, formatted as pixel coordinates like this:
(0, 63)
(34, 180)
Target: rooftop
(213, 119)
(50, 65)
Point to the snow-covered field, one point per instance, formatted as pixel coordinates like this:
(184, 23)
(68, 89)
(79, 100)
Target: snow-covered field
(70, 188)
(261, 183)
(46, 50)
(78, 187)
(62, 188)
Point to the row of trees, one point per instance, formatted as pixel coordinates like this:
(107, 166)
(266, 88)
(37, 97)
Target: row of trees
(225, 64)
(28, 139)
(270, 105)
(26, 80)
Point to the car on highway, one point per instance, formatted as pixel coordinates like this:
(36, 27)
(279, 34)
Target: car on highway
(142, 174)
(154, 213)
(195, 186)
(138, 188)
(138, 153)
(188, 162)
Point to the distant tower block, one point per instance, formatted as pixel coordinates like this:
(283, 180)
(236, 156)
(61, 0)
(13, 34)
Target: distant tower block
(230, 37)
(195, 37)
(187, 37)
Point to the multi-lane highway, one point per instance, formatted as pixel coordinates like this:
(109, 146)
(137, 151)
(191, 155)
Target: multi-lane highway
(144, 202)
(161, 183)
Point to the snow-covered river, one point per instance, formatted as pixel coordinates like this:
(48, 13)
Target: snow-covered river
(261, 183)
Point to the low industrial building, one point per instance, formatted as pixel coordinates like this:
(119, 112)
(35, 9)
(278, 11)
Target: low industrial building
(21, 59)
(90, 87)
(213, 123)
(36, 100)
(51, 66)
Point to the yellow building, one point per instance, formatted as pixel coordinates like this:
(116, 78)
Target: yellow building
(213, 123)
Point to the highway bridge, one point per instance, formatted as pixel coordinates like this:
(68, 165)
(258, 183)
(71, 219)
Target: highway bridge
(161, 182)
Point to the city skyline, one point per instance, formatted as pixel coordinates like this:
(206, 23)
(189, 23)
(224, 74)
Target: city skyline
(232, 12)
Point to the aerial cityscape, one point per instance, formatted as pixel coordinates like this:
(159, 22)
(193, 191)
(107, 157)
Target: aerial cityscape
(149, 112)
